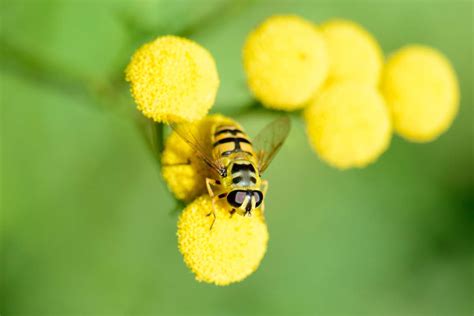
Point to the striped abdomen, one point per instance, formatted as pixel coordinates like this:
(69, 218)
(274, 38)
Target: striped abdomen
(230, 139)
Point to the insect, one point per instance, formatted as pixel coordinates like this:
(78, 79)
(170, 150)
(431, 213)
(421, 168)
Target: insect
(236, 162)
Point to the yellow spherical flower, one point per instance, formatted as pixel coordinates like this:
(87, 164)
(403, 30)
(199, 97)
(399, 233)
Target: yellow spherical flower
(173, 79)
(354, 54)
(348, 125)
(285, 60)
(184, 171)
(422, 92)
(227, 253)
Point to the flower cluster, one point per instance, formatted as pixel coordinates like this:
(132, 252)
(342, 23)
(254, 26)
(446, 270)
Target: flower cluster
(335, 73)
(422, 92)
(173, 79)
(285, 60)
(351, 99)
(229, 252)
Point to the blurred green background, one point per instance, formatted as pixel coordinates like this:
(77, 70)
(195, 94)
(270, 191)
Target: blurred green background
(85, 217)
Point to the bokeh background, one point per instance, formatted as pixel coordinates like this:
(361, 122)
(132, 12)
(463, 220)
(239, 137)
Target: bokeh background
(87, 226)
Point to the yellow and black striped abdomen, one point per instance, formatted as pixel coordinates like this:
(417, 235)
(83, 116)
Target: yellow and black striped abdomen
(229, 139)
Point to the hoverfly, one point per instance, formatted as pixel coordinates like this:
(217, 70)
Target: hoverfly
(236, 162)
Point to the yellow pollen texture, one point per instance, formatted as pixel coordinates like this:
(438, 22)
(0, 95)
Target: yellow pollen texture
(354, 54)
(286, 61)
(422, 92)
(173, 79)
(227, 253)
(183, 171)
(348, 125)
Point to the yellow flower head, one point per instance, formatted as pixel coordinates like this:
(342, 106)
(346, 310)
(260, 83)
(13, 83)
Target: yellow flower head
(183, 171)
(173, 79)
(285, 60)
(422, 92)
(354, 54)
(348, 125)
(227, 253)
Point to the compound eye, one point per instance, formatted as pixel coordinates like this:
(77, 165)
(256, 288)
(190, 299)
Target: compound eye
(236, 198)
(240, 197)
(258, 196)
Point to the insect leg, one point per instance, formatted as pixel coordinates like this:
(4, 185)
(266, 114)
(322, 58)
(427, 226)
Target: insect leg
(209, 184)
(264, 189)
(213, 213)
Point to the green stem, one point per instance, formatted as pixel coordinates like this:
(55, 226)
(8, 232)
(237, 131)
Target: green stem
(219, 13)
(255, 107)
(252, 106)
(158, 135)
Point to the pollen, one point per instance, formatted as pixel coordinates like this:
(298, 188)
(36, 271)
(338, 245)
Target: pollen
(348, 125)
(286, 61)
(173, 79)
(227, 253)
(422, 92)
(183, 171)
(355, 54)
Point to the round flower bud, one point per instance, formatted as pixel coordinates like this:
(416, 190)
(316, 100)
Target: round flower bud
(354, 54)
(285, 61)
(173, 79)
(227, 253)
(348, 125)
(183, 171)
(422, 92)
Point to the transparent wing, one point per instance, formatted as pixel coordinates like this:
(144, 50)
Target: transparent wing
(269, 141)
(197, 136)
